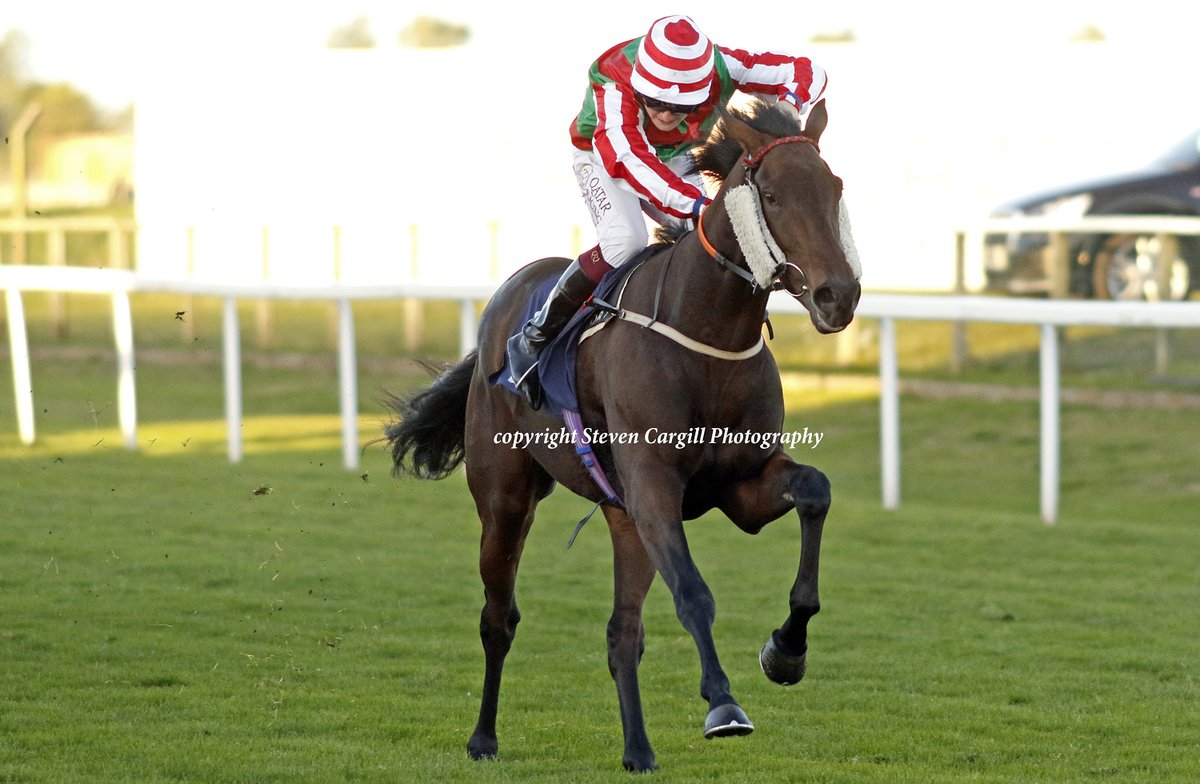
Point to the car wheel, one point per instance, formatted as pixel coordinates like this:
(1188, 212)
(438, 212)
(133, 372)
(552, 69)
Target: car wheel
(1128, 265)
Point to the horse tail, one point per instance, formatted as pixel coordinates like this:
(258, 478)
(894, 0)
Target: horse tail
(427, 437)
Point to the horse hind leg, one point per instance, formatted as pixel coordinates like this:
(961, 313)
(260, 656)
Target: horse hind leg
(506, 514)
(632, 575)
(498, 559)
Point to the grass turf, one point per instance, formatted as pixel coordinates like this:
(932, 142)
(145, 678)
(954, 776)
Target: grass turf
(167, 616)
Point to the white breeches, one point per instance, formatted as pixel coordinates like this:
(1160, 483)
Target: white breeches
(617, 209)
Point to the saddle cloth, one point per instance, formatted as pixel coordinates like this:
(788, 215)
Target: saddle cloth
(556, 363)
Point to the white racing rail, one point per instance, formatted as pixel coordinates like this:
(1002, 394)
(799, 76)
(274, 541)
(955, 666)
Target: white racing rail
(120, 284)
(1048, 315)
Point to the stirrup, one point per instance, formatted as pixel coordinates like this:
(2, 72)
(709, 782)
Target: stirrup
(527, 382)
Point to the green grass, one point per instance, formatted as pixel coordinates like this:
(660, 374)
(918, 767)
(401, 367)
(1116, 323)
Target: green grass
(168, 616)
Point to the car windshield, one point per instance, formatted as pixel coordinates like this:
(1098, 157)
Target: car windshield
(1183, 155)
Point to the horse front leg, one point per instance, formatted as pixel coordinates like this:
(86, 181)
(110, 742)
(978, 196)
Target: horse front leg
(632, 575)
(656, 508)
(753, 503)
(784, 658)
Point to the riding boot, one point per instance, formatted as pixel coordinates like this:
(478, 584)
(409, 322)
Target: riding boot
(568, 295)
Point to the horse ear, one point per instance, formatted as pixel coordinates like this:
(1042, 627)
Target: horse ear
(818, 118)
(749, 139)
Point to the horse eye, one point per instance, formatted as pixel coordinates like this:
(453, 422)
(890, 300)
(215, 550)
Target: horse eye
(769, 197)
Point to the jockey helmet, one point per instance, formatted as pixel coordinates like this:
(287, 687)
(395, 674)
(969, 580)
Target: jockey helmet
(674, 63)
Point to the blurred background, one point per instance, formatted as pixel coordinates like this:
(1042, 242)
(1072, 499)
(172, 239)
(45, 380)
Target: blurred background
(389, 141)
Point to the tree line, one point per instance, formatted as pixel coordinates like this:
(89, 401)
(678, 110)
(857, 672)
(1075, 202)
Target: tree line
(64, 109)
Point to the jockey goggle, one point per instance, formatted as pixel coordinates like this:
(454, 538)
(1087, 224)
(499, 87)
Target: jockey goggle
(662, 106)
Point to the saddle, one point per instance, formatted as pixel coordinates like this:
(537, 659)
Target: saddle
(556, 363)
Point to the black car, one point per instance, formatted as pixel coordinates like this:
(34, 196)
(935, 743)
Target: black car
(1115, 266)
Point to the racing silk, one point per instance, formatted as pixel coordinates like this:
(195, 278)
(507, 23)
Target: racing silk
(632, 149)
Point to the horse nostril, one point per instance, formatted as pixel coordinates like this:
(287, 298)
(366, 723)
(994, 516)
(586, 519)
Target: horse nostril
(836, 294)
(825, 297)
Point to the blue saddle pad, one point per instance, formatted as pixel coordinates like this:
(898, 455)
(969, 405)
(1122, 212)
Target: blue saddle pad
(556, 363)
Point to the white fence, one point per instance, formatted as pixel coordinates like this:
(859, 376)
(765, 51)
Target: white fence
(120, 284)
(1048, 315)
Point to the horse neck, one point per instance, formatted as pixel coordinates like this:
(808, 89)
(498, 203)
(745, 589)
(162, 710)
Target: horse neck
(703, 299)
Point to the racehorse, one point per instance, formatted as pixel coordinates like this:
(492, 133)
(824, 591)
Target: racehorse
(775, 223)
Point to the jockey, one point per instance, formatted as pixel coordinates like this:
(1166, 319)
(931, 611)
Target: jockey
(649, 102)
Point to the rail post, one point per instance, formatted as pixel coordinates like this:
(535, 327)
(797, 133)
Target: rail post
(126, 386)
(889, 413)
(232, 358)
(18, 345)
(348, 383)
(1049, 384)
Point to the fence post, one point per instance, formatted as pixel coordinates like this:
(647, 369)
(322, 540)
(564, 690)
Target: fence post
(889, 413)
(1168, 250)
(1060, 266)
(233, 379)
(116, 248)
(17, 167)
(18, 345)
(468, 326)
(348, 383)
(56, 256)
(1162, 351)
(1048, 369)
(126, 389)
(959, 348)
(846, 344)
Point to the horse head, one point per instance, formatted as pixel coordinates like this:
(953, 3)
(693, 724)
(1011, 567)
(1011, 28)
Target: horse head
(785, 210)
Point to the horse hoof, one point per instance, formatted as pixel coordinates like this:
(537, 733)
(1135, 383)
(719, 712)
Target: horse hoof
(726, 720)
(638, 765)
(782, 668)
(482, 748)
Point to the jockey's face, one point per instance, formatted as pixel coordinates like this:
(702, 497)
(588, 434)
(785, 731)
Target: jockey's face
(665, 120)
(665, 116)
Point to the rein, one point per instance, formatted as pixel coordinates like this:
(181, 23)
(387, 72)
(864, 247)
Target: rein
(721, 258)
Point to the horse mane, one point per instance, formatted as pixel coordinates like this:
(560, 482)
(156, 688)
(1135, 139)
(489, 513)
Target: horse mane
(719, 153)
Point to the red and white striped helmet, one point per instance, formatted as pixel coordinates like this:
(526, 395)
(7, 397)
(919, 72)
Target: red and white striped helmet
(674, 63)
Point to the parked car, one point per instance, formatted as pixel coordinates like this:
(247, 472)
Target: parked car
(1115, 266)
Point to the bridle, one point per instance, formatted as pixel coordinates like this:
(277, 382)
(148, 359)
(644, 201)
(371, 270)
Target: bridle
(744, 207)
(766, 262)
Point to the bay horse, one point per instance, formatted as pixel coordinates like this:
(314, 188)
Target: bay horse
(632, 380)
